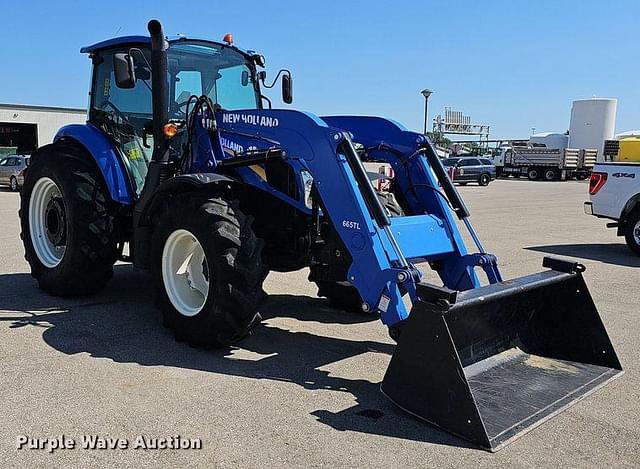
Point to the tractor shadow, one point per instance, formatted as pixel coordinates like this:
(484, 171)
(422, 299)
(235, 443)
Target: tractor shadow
(608, 253)
(121, 324)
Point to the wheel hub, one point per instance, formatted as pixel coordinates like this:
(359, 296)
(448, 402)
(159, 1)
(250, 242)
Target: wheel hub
(185, 272)
(47, 222)
(56, 222)
(636, 233)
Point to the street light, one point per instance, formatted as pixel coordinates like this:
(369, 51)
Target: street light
(426, 93)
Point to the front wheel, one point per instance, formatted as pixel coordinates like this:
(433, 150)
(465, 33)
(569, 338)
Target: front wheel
(208, 270)
(632, 231)
(13, 184)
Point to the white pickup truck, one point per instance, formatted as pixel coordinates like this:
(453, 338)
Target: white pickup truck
(614, 193)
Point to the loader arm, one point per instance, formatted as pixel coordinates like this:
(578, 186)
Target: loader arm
(378, 265)
(406, 152)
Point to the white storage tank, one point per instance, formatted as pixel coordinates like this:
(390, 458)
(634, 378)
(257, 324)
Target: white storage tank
(592, 122)
(550, 140)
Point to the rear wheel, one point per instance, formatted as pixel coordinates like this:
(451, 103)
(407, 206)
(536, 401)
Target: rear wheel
(208, 270)
(484, 179)
(550, 175)
(13, 184)
(632, 231)
(533, 174)
(68, 222)
(343, 295)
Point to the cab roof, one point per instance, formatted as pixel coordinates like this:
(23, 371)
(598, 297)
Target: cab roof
(138, 40)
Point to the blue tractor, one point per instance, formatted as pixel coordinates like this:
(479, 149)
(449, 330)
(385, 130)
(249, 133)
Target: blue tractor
(184, 169)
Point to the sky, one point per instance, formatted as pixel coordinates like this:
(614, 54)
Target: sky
(514, 65)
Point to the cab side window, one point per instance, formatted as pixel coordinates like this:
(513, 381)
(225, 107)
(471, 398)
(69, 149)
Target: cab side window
(125, 114)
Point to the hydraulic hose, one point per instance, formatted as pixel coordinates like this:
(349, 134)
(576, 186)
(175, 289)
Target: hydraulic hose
(447, 185)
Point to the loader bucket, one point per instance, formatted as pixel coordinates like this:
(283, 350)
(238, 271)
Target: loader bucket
(503, 358)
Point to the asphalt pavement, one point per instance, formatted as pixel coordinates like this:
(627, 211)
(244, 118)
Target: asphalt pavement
(303, 390)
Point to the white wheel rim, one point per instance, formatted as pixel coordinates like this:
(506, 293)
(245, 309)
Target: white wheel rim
(185, 272)
(44, 192)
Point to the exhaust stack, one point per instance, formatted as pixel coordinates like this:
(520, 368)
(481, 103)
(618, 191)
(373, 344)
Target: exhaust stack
(160, 87)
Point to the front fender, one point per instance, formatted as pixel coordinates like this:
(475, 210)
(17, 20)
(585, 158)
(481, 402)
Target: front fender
(106, 157)
(180, 184)
(186, 182)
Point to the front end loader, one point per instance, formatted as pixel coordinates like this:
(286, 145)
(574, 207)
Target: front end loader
(182, 161)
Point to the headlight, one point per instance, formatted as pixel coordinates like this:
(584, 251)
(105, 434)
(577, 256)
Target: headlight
(307, 181)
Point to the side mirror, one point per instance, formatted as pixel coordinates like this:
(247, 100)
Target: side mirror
(124, 70)
(287, 88)
(262, 76)
(244, 78)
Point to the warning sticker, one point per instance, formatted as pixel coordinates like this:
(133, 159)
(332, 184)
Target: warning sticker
(384, 303)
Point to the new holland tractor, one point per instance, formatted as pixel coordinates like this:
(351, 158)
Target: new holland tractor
(185, 170)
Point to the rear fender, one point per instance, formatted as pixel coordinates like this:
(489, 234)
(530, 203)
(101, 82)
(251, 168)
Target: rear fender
(106, 156)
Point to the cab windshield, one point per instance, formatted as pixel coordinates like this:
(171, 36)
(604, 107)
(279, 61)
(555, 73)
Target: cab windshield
(220, 72)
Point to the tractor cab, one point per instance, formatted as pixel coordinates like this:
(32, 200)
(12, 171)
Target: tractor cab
(121, 103)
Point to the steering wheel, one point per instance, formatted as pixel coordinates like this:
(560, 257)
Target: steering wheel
(106, 103)
(176, 108)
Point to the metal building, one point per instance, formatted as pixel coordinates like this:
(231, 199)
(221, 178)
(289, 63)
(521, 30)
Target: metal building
(23, 128)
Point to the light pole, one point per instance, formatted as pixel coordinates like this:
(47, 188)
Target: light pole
(426, 93)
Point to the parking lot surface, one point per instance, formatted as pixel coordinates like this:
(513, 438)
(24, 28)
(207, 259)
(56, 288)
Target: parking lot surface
(303, 390)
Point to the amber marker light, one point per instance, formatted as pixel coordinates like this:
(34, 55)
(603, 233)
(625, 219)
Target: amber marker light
(170, 130)
(228, 38)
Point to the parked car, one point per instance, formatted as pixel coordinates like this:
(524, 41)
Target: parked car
(471, 169)
(12, 171)
(614, 194)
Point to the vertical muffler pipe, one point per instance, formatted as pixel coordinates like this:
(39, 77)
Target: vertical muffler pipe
(160, 87)
(159, 169)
